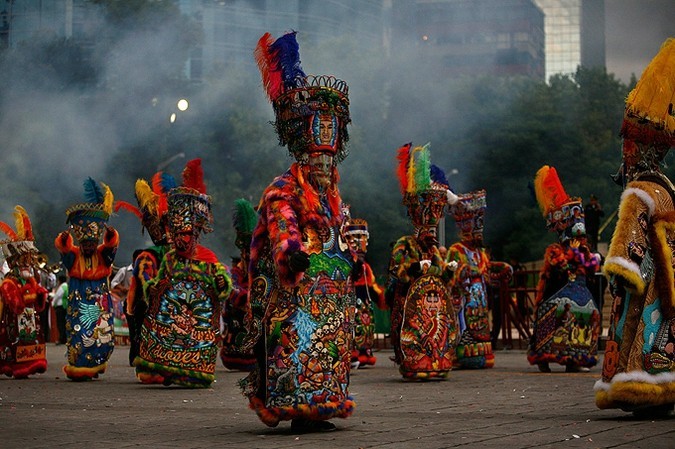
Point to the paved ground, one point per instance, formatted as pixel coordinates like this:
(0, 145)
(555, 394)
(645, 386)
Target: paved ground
(509, 406)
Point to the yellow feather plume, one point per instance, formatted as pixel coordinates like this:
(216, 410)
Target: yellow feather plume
(108, 199)
(24, 229)
(653, 97)
(147, 199)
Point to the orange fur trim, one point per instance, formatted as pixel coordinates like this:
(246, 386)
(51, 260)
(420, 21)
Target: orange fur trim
(663, 259)
(635, 393)
(84, 372)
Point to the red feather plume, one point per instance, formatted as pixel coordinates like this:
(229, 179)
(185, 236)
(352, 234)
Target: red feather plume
(7, 229)
(193, 176)
(270, 72)
(127, 207)
(403, 157)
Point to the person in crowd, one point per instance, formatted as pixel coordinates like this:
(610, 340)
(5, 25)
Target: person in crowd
(60, 304)
(232, 354)
(151, 211)
(638, 373)
(181, 330)
(424, 327)
(593, 213)
(471, 281)
(22, 343)
(567, 321)
(300, 271)
(46, 279)
(89, 319)
(368, 294)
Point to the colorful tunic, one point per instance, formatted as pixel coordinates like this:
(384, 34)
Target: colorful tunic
(469, 297)
(181, 331)
(22, 345)
(368, 293)
(301, 328)
(89, 320)
(145, 268)
(639, 363)
(567, 321)
(424, 328)
(234, 324)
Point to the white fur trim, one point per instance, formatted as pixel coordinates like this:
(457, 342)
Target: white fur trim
(636, 376)
(644, 196)
(623, 262)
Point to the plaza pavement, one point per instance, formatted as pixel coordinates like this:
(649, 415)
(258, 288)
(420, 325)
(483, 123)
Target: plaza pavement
(509, 406)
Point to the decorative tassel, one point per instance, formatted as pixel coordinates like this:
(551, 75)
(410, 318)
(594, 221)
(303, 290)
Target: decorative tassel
(549, 190)
(403, 157)
(193, 176)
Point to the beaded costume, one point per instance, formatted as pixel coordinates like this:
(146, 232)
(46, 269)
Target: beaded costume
(639, 366)
(368, 294)
(22, 345)
(181, 331)
(89, 316)
(424, 328)
(300, 267)
(233, 319)
(567, 320)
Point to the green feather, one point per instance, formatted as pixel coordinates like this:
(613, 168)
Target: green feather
(244, 217)
(423, 170)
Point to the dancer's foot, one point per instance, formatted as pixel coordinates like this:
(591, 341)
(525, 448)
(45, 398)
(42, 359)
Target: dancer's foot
(543, 367)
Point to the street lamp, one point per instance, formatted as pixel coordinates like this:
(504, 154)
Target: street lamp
(170, 160)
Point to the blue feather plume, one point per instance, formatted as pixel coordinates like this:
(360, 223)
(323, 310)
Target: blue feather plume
(92, 192)
(167, 182)
(438, 176)
(287, 52)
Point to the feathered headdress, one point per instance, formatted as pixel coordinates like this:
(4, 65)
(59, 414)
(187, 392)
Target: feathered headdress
(299, 99)
(88, 219)
(649, 117)
(190, 201)
(20, 241)
(244, 220)
(152, 204)
(563, 214)
(422, 184)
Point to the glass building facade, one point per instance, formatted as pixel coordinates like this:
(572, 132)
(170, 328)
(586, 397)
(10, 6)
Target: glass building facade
(575, 34)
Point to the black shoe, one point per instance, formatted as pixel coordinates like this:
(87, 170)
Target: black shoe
(301, 425)
(543, 367)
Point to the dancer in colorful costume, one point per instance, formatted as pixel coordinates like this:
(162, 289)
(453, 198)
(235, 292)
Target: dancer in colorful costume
(368, 294)
(89, 320)
(424, 328)
(151, 210)
(300, 268)
(469, 284)
(181, 331)
(22, 345)
(236, 307)
(567, 320)
(638, 372)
